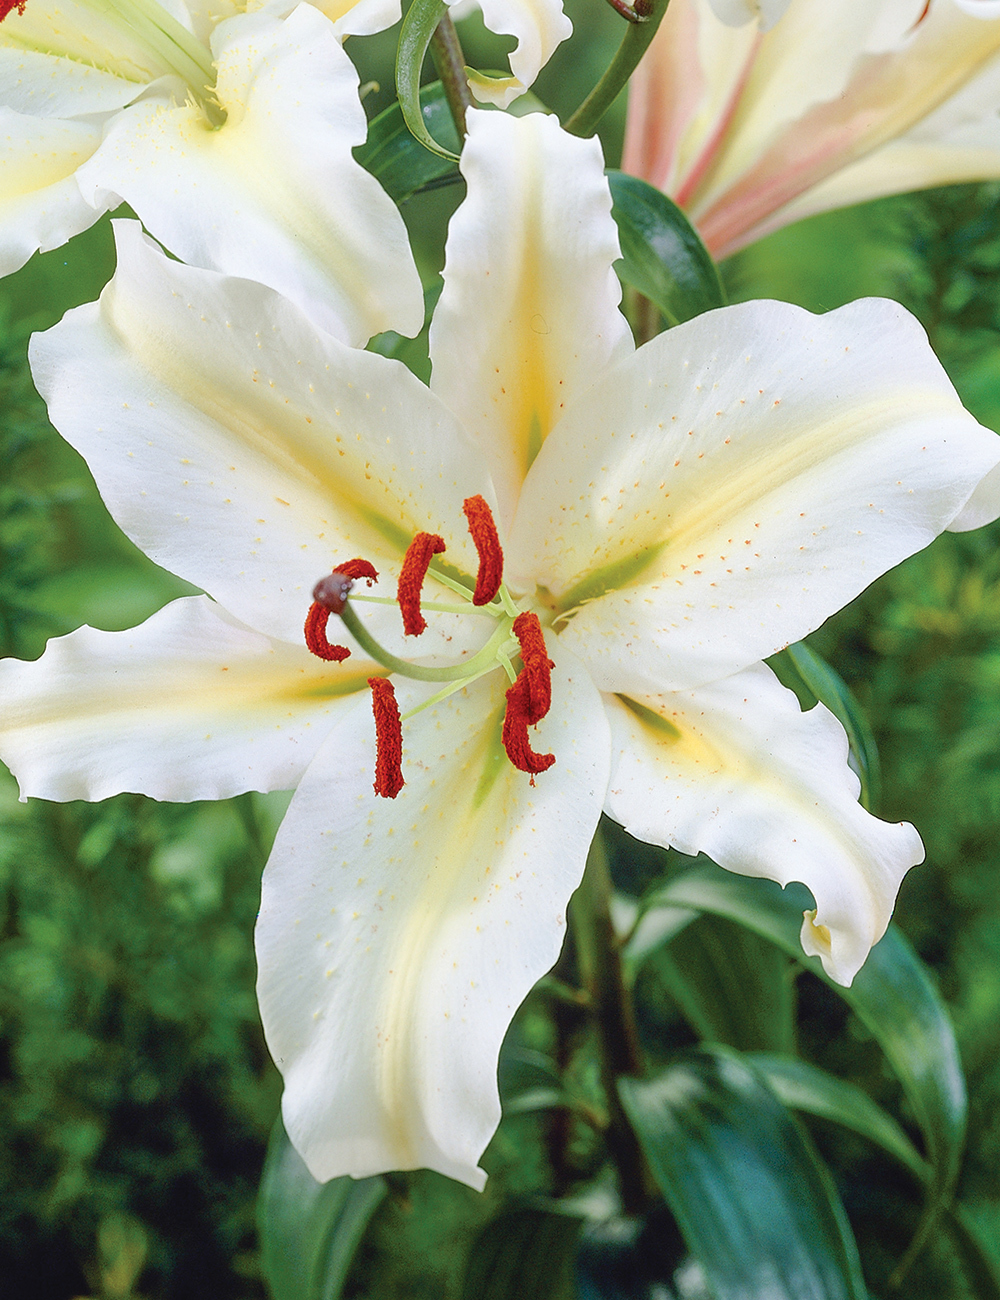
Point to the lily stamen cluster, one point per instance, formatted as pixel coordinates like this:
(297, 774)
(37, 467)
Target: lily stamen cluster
(519, 634)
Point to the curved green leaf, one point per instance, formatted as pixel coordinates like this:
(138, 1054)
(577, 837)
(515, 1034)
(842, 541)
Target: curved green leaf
(662, 254)
(805, 1087)
(979, 1263)
(525, 1254)
(419, 26)
(309, 1231)
(892, 995)
(732, 986)
(755, 1204)
(825, 684)
(394, 157)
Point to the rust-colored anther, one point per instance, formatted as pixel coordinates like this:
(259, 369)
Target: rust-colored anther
(487, 542)
(537, 665)
(7, 5)
(411, 579)
(329, 596)
(315, 630)
(515, 731)
(388, 738)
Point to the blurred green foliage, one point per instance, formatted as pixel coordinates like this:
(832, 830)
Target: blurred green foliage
(136, 1095)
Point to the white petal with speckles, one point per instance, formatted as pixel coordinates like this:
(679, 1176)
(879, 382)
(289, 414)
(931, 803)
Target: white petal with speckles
(397, 937)
(741, 477)
(737, 771)
(242, 448)
(189, 705)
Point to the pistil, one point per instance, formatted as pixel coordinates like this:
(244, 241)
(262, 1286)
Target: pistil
(529, 697)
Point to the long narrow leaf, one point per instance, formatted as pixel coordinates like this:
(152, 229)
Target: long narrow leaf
(419, 26)
(805, 1087)
(756, 1206)
(395, 158)
(309, 1231)
(892, 995)
(662, 254)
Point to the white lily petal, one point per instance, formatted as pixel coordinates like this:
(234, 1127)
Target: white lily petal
(48, 86)
(735, 13)
(984, 9)
(397, 937)
(189, 705)
(539, 25)
(737, 771)
(529, 312)
(361, 17)
(273, 194)
(41, 206)
(739, 479)
(960, 141)
(74, 32)
(247, 468)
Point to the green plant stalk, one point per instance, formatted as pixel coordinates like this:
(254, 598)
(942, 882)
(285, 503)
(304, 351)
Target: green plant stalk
(634, 44)
(614, 1018)
(446, 51)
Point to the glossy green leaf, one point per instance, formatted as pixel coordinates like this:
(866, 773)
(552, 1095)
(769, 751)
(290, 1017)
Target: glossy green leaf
(979, 1263)
(395, 158)
(419, 26)
(732, 986)
(309, 1231)
(662, 255)
(807, 1088)
(892, 995)
(525, 1254)
(799, 664)
(756, 1206)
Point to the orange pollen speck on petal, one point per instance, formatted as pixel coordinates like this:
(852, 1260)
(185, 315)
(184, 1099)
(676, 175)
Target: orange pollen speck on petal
(411, 580)
(487, 542)
(7, 5)
(388, 738)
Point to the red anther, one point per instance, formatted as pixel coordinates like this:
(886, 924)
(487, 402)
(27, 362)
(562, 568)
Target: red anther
(388, 738)
(411, 579)
(484, 534)
(358, 569)
(537, 665)
(7, 5)
(515, 730)
(316, 621)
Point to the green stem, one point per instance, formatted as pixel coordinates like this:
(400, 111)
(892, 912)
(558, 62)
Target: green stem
(483, 658)
(446, 51)
(634, 45)
(614, 1017)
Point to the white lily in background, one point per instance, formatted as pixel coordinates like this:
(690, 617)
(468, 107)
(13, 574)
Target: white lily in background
(232, 142)
(837, 103)
(625, 535)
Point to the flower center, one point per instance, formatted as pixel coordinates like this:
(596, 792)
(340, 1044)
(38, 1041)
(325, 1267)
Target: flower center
(518, 635)
(163, 37)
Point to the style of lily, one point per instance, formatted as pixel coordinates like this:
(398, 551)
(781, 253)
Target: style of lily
(602, 542)
(229, 134)
(748, 130)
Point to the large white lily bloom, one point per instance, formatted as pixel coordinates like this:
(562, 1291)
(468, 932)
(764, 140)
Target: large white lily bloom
(837, 103)
(669, 516)
(230, 136)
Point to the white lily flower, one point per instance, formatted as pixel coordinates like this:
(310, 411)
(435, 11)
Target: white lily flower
(631, 530)
(539, 26)
(837, 103)
(230, 136)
